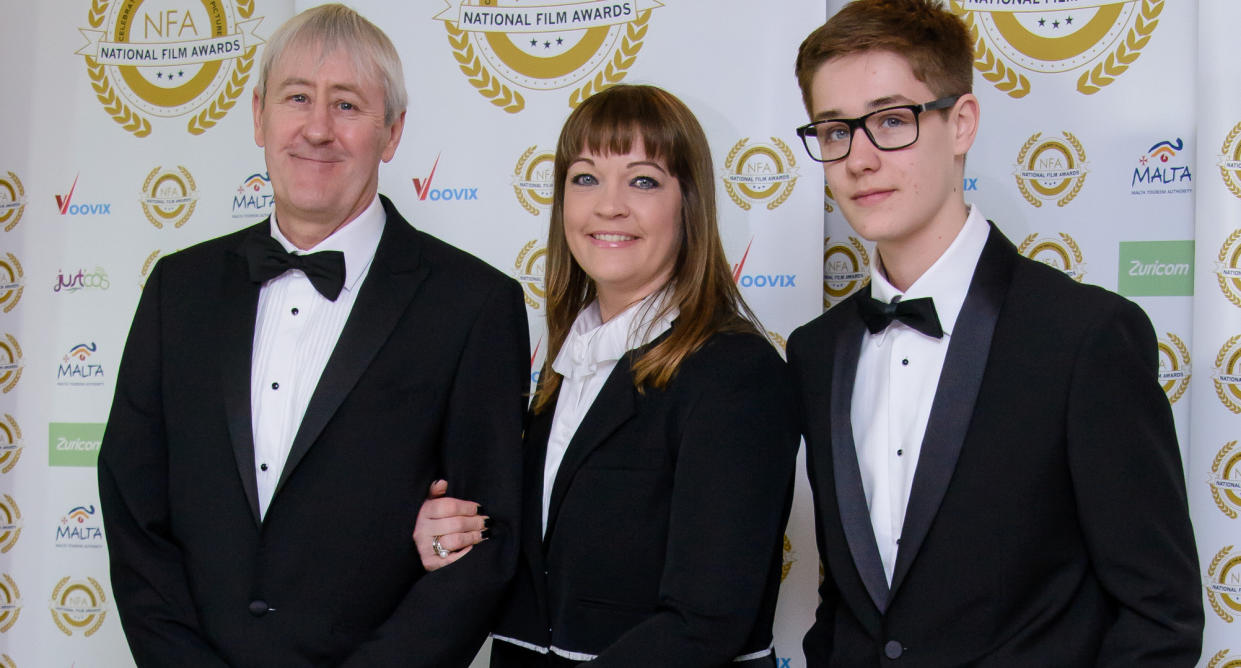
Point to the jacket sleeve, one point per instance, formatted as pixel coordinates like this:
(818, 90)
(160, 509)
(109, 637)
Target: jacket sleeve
(1130, 488)
(446, 615)
(147, 568)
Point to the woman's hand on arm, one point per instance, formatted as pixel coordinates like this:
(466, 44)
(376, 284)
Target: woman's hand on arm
(457, 525)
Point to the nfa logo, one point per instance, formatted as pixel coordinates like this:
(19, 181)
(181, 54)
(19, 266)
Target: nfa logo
(96, 280)
(1061, 252)
(423, 188)
(789, 557)
(528, 270)
(12, 201)
(1228, 267)
(846, 267)
(532, 180)
(168, 197)
(7, 662)
(760, 172)
(1224, 659)
(10, 523)
(1053, 38)
(11, 281)
(1223, 583)
(760, 280)
(1051, 170)
(1230, 160)
(586, 45)
(169, 59)
(254, 197)
(10, 443)
(147, 266)
(80, 527)
(10, 603)
(64, 203)
(1225, 480)
(10, 363)
(828, 198)
(78, 605)
(1173, 367)
(1227, 374)
(1161, 172)
(75, 370)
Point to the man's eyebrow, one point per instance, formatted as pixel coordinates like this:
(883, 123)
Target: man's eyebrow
(298, 81)
(877, 103)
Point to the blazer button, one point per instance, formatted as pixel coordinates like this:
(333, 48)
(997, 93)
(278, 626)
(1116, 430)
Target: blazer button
(892, 649)
(258, 608)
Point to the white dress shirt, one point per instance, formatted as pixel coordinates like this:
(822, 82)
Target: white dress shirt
(898, 372)
(590, 352)
(294, 334)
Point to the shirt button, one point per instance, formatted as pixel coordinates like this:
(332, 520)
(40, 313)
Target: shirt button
(899, 453)
(892, 649)
(275, 386)
(905, 362)
(258, 608)
(263, 467)
(294, 311)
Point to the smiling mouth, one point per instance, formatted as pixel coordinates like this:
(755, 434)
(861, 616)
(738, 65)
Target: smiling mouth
(870, 195)
(612, 237)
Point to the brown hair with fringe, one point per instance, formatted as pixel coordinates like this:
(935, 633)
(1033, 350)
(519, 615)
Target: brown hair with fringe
(934, 41)
(614, 122)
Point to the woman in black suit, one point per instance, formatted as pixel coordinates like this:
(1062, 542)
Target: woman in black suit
(660, 451)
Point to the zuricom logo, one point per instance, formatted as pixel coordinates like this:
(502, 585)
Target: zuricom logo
(67, 208)
(425, 192)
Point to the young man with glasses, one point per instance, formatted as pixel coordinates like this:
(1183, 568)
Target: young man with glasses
(995, 471)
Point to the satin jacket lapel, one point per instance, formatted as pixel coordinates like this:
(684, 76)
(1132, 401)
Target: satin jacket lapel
(238, 309)
(385, 294)
(850, 495)
(955, 396)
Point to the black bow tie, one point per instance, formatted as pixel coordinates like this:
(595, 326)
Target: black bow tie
(267, 259)
(917, 313)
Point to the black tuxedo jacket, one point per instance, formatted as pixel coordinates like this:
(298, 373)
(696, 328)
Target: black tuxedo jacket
(426, 381)
(1047, 524)
(664, 543)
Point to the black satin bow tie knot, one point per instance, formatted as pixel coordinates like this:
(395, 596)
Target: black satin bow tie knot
(267, 259)
(917, 313)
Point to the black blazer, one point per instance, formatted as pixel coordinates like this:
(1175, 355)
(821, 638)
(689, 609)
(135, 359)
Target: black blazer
(664, 534)
(1047, 524)
(425, 381)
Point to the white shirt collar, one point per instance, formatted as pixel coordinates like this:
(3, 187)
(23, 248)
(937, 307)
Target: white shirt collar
(592, 342)
(357, 239)
(947, 280)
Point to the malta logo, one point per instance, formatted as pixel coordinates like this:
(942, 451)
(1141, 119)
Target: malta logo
(151, 60)
(1225, 480)
(78, 606)
(12, 283)
(1159, 170)
(528, 270)
(10, 603)
(1227, 374)
(1057, 38)
(10, 523)
(789, 558)
(1229, 161)
(532, 180)
(169, 197)
(505, 46)
(12, 201)
(1173, 367)
(846, 267)
(1061, 252)
(1225, 659)
(10, 443)
(760, 172)
(1051, 169)
(1223, 583)
(10, 363)
(1228, 267)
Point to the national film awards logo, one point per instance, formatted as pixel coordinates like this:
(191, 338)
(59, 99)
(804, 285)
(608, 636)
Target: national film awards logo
(1061, 252)
(1051, 169)
(10, 523)
(1225, 480)
(532, 180)
(10, 443)
(1225, 659)
(12, 282)
(1227, 374)
(169, 59)
(789, 558)
(1057, 38)
(169, 197)
(760, 173)
(10, 363)
(148, 265)
(1223, 583)
(77, 606)
(1229, 161)
(846, 268)
(7, 662)
(529, 269)
(10, 602)
(1228, 267)
(12, 201)
(828, 199)
(506, 46)
(1173, 367)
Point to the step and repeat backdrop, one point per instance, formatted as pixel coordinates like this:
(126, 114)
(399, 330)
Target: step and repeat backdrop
(1110, 148)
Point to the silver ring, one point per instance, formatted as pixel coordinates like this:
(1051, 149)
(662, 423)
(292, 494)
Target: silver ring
(439, 549)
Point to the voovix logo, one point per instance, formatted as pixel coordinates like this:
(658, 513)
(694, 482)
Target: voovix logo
(424, 190)
(760, 280)
(67, 208)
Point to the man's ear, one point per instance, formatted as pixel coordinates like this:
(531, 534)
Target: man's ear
(964, 121)
(257, 107)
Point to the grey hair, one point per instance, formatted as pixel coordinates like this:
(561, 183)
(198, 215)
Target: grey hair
(335, 26)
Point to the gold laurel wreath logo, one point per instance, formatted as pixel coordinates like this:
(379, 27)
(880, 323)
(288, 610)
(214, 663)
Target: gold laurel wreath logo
(728, 185)
(519, 269)
(9, 379)
(7, 661)
(147, 265)
(1230, 182)
(1223, 257)
(9, 459)
(787, 188)
(15, 295)
(781, 343)
(10, 594)
(16, 213)
(1006, 79)
(828, 198)
(1071, 246)
(1021, 161)
(790, 557)
(864, 258)
(1079, 180)
(223, 102)
(614, 72)
(96, 618)
(1217, 661)
(1211, 595)
(1183, 384)
(9, 539)
(1215, 469)
(487, 84)
(1219, 387)
(146, 190)
(521, 193)
(1126, 52)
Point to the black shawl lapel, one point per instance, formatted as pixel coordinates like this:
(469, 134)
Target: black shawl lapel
(535, 457)
(955, 396)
